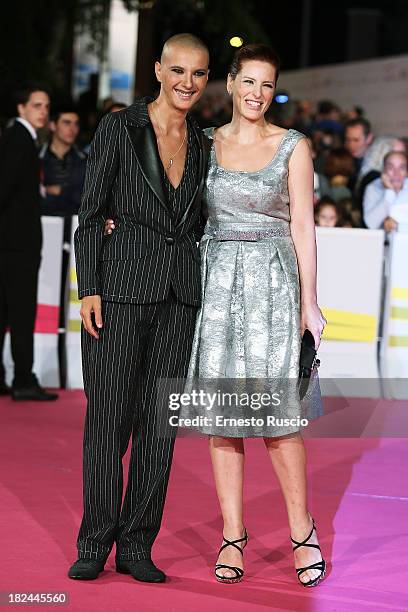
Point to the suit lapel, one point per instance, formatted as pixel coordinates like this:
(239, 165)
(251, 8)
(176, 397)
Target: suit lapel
(143, 140)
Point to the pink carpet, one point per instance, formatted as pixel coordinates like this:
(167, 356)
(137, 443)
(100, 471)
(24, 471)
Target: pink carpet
(358, 495)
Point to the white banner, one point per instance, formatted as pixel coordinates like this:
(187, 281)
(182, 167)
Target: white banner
(48, 300)
(349, 279)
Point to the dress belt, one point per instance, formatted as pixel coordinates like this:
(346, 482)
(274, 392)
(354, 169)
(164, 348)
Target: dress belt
(238, 231)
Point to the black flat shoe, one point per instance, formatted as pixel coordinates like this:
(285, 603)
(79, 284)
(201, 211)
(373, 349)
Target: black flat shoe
(86, 569)
(239, 572)
(319, 565)
(143, 570)
(35, 393)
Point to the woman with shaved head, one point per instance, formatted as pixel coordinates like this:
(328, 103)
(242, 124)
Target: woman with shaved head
(140, 290)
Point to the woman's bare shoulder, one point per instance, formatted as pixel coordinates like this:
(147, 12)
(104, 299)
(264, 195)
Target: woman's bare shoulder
(276, 130)
(221, 132)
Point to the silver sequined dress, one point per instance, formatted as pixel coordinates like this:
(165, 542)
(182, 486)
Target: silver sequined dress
(248, 327)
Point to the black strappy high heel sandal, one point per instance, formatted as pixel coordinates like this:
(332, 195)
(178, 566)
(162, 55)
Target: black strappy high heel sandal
(319, 565)
(239, 573)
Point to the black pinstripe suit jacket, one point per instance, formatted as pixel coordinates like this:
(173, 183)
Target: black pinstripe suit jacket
(149, 249)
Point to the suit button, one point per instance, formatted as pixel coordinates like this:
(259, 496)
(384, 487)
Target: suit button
(169, 240)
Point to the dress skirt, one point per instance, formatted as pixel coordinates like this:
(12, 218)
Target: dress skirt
(247, 336)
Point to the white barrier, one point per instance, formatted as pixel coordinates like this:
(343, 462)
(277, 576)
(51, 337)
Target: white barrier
(394, 348)
(349, 293)
(350, 263)
(46, 326)
(349, 289)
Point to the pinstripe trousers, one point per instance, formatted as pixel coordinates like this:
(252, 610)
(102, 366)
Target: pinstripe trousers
(138, 344)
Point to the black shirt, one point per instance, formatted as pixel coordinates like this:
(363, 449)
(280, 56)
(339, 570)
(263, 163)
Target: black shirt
(67, 172)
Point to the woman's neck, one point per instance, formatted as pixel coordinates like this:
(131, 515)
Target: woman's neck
(168, 117)
(244, 131)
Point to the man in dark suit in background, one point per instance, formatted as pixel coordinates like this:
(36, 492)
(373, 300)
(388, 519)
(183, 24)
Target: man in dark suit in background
(140, 290)
(21, 238)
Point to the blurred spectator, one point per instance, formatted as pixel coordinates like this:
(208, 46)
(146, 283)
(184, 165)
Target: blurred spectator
(324, 141)
(338, 168)
(320, 182)
(374, 159)
(386, 198)
(350, 216)
(355, 113)
(327, 213)
(358, 141)
(304, 118)
(328, 117)
(63, 166)
(21, 237)
(358, 138)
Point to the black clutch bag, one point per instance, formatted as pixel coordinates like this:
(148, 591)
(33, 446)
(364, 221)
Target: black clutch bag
(307, 362)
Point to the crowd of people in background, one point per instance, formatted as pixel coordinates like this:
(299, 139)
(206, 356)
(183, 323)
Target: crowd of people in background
(360, 177)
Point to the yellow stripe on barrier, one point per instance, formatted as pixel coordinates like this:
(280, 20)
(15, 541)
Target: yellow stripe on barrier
(73, 296)
(73, 275)
(74, 325)
(398, 341)
(344, 317)
(348, 334)
(400, 293)
(399, 312)
(345, 326)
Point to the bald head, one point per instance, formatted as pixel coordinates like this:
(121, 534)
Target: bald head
(184, 41)
(182, 72)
